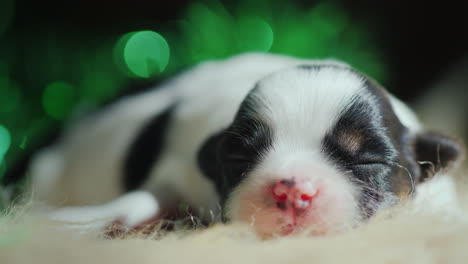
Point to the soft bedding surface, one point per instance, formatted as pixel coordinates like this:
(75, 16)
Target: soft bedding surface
(433, 228)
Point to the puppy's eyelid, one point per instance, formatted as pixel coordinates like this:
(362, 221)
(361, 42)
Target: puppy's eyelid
(235, 157)
(369, 163)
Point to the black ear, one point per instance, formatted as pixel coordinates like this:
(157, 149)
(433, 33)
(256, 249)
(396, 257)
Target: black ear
(435, 153)
(209, 160)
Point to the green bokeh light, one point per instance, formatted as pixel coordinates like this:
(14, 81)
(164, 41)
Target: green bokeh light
(145, 53)
(100, 80)
(211, 34)
(118, 54)
(58, 99)
(97, 86)
(254, 34)
(5, 142)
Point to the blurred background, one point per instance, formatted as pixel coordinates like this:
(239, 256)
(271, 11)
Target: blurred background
(59, 59)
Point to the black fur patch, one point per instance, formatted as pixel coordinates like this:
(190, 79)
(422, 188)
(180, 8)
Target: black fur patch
(227, 157)
(146, 150)
(359, 123)
(360, 145)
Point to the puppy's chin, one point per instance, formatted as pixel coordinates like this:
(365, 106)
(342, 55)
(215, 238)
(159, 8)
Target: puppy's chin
(335, 209)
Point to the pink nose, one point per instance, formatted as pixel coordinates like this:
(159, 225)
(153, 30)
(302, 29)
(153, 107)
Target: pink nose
(295, 193)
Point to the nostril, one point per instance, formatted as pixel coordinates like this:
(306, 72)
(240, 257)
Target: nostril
(280, 192)
(305, 197)
(308, 195)
(281, 197)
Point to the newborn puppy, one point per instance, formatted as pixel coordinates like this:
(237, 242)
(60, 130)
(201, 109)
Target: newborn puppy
(281, 143)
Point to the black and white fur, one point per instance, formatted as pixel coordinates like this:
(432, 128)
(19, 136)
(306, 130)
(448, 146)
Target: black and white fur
(218, 134)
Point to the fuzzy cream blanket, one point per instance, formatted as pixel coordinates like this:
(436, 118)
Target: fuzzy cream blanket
(433, 228)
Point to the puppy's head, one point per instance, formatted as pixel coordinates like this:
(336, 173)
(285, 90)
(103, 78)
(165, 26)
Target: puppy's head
(319, 147)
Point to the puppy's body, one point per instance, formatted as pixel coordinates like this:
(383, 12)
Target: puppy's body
(279, 141)
(87, 166)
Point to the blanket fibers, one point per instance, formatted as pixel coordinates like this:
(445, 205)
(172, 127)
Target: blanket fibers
(403, 235)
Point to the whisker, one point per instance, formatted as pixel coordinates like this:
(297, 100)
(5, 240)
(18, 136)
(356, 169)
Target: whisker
(408, 173)
(365, 185)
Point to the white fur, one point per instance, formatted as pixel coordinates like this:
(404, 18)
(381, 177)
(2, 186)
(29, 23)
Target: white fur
(438, 196)
(301, 105)
(131, 209)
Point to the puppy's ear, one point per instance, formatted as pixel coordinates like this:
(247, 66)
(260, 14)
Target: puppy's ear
(209, 160)
(435, 152)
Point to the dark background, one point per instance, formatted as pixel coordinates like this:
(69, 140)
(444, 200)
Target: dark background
(418, 42)
(420, 39)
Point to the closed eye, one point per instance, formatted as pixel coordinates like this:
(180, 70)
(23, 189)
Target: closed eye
(373, 162)
(369, 163)
(236, 158)
(369, 169)
(368, 159)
